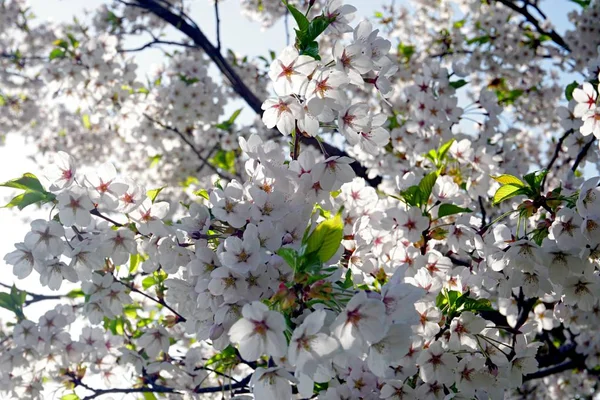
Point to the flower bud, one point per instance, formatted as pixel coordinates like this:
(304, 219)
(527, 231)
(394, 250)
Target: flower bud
(216, 331)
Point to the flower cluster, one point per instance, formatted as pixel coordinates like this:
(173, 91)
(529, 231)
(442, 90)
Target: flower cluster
(424, 260)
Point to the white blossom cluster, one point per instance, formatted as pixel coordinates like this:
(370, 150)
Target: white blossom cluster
(444, 268)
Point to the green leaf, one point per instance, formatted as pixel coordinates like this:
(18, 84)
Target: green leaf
(316, 27)
(582, 3)
(75, 293)
(506, 179)
(149, 396)
(426, 186)
(534, 179)
(406, 51)
(70, 396)
(74, 42)
(27, 182)
(479, 40)
(451, 209)
(443, 150)
(459, 24)
(202, 193)
(300, 19)
(148, 282)
(326, 238)
(154, 160)
(290, 256)
(508, 96)
(57, 53)
(412, 196)
(569, 90)
(506, 192)
(458, 84)
(224, 160)
(85, 119)
(28, 198)
(311, 49)
(470, 304)
(134, 262)
(153, 193)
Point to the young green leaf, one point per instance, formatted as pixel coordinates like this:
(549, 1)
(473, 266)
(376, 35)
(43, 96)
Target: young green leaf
(326, 238)
(506, 179)
(153, 193)
(451, 209)
(506, 192)
(426, 186)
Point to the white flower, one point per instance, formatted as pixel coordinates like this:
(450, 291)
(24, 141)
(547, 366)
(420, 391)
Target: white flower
(272, 383)
(435, 364)
(566, 229)
(333, 172)
(119, 245)
(74, 207)
(227, 204)
(105, 191)
(242, 256)
(309, 346)
(149, 217)
(463, 329)
(290, 70)
(585, 98)
(361, 323)
(281, 112)
(471, 375)
(155, 340)
(21, 259)
(581, 291)
(591, 123)
(389, 349)
(260, 331)
(53, 272)
(340, 15)
(396, 390)
(45, 238)
(543, 318)
(61, 173)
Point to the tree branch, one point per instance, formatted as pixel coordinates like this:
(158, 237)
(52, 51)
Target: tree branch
(218, 23)
(556, 38)
(582, 154)
(180, 318)
(186, 26)
(187, 141)
(557, 151)
(155, 42)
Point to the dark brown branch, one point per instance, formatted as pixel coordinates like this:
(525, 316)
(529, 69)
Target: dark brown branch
(582, 154)
(215, 389)
(556, 38)
(35, 297)
(186, 26)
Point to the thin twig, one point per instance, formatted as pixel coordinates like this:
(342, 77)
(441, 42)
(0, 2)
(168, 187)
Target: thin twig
(218, 21)
(557, 151)
(556, 38)
(180, 318)
(155, 42)
(187, 141)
